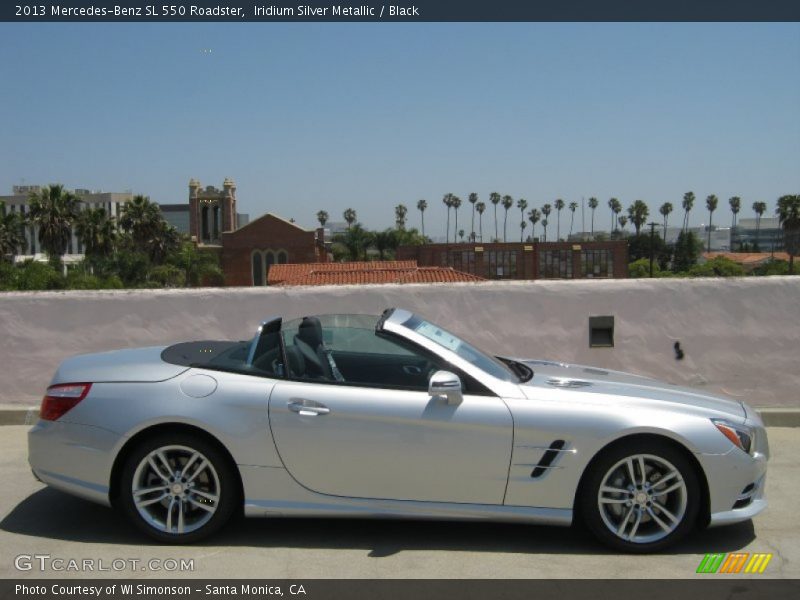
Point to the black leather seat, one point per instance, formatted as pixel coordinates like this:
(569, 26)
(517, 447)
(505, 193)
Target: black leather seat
(310, 344)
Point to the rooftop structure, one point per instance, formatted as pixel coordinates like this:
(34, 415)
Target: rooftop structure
(364, 273)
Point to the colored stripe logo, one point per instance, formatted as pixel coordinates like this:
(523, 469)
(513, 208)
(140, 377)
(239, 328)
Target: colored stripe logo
(734, 562)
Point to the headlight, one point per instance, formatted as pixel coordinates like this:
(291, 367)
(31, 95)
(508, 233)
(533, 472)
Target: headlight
(739, 435)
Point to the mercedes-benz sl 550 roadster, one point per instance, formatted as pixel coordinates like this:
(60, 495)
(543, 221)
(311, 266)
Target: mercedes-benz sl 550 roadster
(392, 416)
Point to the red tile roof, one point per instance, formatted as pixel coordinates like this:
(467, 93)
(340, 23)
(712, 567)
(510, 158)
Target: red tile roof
(280, 273)
(356, 273)
(747, 258)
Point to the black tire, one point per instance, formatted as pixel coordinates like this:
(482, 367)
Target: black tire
(188, 509)
(649, 534)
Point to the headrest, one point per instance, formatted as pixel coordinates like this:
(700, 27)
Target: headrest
(310, 331)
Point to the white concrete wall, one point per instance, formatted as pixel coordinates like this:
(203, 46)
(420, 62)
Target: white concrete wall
(741, 337)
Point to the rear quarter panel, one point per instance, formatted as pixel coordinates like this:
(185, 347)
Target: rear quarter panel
(235, 412)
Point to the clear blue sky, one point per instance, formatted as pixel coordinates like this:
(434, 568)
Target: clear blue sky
(329, 116)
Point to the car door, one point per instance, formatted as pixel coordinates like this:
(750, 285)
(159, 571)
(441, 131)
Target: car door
(357, 439)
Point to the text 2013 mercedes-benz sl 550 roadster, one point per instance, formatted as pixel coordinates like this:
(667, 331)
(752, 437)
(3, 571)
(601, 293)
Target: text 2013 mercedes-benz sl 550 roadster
(391, 415)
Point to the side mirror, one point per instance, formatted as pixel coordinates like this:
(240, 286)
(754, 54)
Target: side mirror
(445, 383)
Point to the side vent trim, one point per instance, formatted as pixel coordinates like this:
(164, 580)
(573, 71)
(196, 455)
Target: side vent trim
(545, 463)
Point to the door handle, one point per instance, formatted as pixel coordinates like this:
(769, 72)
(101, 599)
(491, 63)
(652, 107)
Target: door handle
(306, 410)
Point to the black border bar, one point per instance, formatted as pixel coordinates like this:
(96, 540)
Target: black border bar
(394, 589)
(414, 10)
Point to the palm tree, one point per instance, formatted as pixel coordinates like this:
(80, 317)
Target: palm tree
(759, 208)
(461, 233)
(546, 209)
(422, 205)
(456, 205)
(559, 204)
(197, 264)
(687, 204)
(447, 199)
(593, 204)
(164, 239)
(615, 207)
(623, 220)
(11, 236)
(665, 209)
(322, 217)
(350, 217)
(788, 211)
(533, 216)
(480, 207)
(400, 212)
(711, 205)
(53, 210)
(522, 204)
(508, 202)
(638, 213)
(96, 231)
(356, 240)
(473, 199)
(523, 224)
(494, 198)
(573, 206)
(384, 240)
(141, 219)
(736, 206)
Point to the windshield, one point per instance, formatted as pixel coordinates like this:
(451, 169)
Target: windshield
(472, 355)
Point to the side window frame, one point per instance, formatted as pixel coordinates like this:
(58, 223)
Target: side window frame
(470, 384)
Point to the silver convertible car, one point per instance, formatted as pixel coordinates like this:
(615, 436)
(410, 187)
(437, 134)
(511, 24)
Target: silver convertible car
(392, 416)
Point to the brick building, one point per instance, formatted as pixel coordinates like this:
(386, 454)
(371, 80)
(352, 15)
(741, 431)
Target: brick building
(535, 260)
(250, 251)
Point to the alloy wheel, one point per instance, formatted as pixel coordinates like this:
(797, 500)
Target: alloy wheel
(642, 498)
(176, 489)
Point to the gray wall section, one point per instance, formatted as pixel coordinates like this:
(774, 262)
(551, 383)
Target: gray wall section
(741, 337)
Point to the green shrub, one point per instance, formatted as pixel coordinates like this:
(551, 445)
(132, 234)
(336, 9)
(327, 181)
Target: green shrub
(168, 276)
(33, 275)
(717, 267)
(8, 276)
(641, 268)
(772, 267)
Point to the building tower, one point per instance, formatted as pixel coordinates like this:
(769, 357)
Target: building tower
(211, 211)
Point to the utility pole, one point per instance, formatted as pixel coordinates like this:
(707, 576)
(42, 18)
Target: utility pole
(653, 226)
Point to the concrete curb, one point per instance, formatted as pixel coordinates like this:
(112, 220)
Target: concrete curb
(780, 417)
(773, 417)
(18, 415)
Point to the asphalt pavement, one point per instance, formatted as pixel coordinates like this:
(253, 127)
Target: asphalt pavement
(44, 533)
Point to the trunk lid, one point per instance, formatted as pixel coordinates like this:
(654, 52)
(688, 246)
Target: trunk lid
(133, 365)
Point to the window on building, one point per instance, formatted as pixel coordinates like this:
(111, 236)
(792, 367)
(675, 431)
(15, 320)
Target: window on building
(269, 260)
(462, 260)
(597, 263)
(282, 257)
(258, 269)
(555, 264)
(501, 264)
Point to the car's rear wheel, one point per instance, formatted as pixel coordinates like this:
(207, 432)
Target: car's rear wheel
(178, 488)
(641, 497)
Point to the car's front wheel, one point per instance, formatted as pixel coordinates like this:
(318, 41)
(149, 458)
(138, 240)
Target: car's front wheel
(178, 488)
(641, 497)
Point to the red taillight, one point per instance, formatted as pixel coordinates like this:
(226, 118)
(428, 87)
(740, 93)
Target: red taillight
(61, 398)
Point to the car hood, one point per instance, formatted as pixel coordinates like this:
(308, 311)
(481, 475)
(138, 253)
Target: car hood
(594, 380)
(134, 365)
